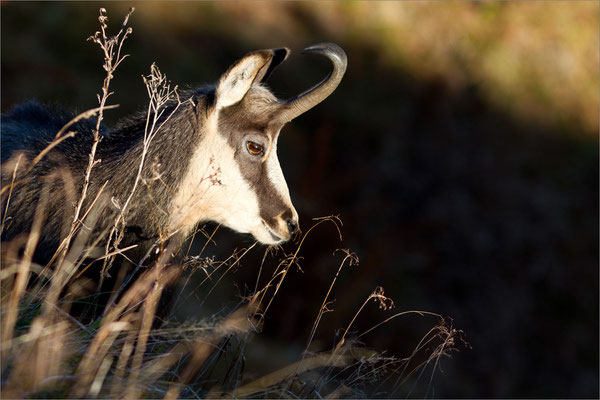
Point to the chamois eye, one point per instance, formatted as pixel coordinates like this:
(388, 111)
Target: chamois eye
(254, 148)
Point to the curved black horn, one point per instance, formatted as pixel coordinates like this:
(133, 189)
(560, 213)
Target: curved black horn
(313, 96)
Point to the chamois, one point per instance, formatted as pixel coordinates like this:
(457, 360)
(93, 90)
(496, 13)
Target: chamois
(214, 158)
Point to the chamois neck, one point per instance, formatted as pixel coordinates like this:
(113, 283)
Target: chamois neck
(165, 152)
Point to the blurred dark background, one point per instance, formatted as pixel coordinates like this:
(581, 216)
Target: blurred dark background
(460, 152)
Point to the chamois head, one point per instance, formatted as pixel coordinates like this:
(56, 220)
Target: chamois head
(234, 177)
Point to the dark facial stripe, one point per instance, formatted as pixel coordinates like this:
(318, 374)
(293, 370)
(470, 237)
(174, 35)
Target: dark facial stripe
(236, 124)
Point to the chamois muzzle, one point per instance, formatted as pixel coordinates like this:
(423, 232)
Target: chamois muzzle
(313, 96)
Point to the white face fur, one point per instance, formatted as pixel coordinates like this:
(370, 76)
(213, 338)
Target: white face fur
(215, 188)
(234, 177)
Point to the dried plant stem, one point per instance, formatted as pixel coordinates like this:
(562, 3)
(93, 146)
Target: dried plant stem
(166, 361)
(89, 366)
(378, 296)
(100, 376)
(239, 321)
(145, 293)
(447, 337)
(330, 359)
(122, 363)
(231, 266)
(283, 267)
(22, 277)
(111, 62)
(353, 260)
(147, 317)
(11, 187)
(421, 313)
(65, 270)
(160, 93)
(59, 138)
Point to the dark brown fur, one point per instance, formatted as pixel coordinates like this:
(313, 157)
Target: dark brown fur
(255, 115)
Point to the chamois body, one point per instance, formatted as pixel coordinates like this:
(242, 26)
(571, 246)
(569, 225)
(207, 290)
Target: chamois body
(213, 158)
(30, 128)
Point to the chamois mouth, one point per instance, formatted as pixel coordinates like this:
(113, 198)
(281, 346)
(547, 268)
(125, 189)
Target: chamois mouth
(276, 238)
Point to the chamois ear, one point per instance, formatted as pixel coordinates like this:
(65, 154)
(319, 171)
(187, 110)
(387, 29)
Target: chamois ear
(255, 67)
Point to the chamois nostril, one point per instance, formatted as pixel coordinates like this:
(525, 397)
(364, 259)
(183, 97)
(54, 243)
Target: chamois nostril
(292, 226)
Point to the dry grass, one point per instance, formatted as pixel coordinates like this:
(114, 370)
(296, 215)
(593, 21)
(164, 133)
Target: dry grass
(46, 352)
